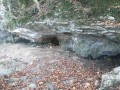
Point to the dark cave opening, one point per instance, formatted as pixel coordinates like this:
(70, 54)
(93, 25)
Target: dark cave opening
(50, 40)
(113, 59)
(22, 40)
(54, 41)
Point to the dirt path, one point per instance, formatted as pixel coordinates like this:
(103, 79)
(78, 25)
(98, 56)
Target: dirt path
(23, 67)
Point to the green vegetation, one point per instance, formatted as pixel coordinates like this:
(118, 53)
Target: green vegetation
(100, 6)
(25, 10)
(25, 2)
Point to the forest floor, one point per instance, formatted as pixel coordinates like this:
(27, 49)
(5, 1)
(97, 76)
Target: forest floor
(24, 67)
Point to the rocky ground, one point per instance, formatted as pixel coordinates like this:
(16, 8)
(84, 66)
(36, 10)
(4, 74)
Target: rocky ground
(26, 67)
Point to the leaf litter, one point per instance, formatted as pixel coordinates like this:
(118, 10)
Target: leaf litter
(54, 71)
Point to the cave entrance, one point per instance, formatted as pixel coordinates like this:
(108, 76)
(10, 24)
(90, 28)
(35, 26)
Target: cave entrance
(53, 40)
(113, 59)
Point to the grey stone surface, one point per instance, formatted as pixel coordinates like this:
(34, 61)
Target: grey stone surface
(110, 79)
(93, 40)
(5, 37)
(90, 45)
(85, 41)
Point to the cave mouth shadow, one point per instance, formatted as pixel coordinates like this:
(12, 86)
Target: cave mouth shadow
(114, 60)
(22, 40)
(54, 41)
(46, 40)
(50, 40)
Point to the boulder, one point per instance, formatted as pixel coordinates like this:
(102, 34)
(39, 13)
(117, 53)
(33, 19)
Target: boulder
(111, 80)
(5, 37)
(90, 45)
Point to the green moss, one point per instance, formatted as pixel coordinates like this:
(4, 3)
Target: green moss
(101, 7)
(66, 10)
(116, 13)
(11, 24)
(26, 3)
(25, 19)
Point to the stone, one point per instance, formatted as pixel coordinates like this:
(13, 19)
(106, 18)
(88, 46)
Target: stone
(5, 72)
(5, 37)
(10, 64)
(3, 18)
(32, 86)
(86, 41)
(97, 83)
(110, 79)
(36, 32)
(90, 45)
(108, 17)
(86, 85)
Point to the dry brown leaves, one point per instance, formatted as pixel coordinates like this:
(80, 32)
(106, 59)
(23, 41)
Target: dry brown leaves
(58, 74)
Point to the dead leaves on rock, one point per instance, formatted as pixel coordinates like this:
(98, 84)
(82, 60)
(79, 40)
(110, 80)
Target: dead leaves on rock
(55, 74)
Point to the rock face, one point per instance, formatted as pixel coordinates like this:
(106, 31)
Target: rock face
(5, 37)
(37, 33)
(34, 32)
(91, 46)
(85, 41)
(93, 40)
(3, 17)
(111, 80)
